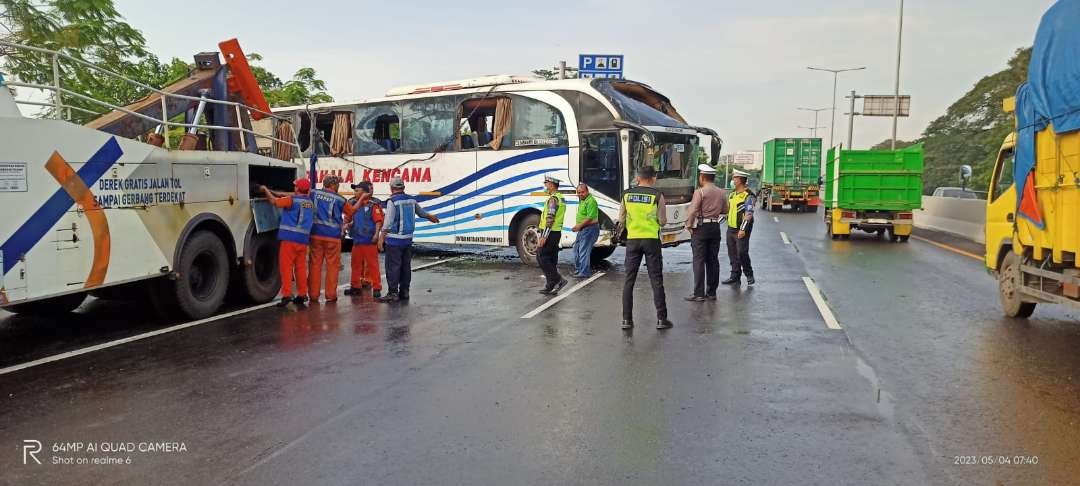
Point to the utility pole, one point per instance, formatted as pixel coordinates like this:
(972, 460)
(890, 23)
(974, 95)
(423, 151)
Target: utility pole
(816, 111)
(836, 73)
(813, 130)
(851, 121)
(896, 91)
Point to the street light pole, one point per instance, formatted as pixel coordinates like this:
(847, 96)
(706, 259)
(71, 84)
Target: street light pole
(836, 74)
(896, 91)
(816, 111)
(813, 130)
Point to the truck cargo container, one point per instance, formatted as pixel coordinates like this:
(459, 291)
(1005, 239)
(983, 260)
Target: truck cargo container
(873, 191)
(1033, 206)
(791, 174)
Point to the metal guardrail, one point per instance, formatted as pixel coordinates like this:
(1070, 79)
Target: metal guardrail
(59, 91)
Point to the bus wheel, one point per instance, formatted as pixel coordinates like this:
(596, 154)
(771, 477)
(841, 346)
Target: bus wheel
(527, 239)
(600, 253)
(50, 307)
(259, 274)
(203, 272)
(1010, 281)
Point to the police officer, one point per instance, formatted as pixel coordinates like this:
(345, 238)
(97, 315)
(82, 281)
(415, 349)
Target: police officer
(707, 209)
(643, 215)
(740, 225)
(551, 221)
(396, 240)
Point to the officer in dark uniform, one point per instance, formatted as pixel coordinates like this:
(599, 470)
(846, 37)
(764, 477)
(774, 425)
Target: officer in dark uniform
(643, 215)
(740, 225)
(708, 208)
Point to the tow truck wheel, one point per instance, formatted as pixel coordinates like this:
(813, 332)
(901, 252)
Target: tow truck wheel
(527, 239)
(259, 274)
(203, 271)
(600, 253)
(1010, 281)
(50, 307)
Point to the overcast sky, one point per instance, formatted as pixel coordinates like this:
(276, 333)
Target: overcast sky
(736, 66)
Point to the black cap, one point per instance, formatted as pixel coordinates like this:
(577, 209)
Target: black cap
(365, 185)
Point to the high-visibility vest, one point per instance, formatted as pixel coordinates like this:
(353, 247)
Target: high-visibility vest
(328, 213)
(362, 230)
(737, 207)
(642, 222)
(399, 230)
(560, 212)
(296, 220)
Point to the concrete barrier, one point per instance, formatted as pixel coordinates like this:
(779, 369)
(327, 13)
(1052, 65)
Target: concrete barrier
(961, 217)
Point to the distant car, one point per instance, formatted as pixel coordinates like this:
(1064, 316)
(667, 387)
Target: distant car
(956, 192)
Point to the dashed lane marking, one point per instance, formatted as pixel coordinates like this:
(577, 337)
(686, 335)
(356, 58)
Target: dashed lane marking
(783, 236)
(776, 219)
(822, 306)
(561, 296)
(178, 327)
(949, 248)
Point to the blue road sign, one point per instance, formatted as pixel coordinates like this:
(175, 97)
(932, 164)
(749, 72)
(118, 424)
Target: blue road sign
(600, 66)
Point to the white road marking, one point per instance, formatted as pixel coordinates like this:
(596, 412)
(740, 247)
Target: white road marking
(783, 236)
(819, 301)
(138, 337)
(776, 219)
(178, 327)
(561, 296)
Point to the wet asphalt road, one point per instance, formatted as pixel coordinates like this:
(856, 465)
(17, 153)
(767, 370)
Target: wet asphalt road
(456, 388)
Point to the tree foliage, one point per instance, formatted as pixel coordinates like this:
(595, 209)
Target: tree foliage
(972, 128)
(95, 32)
(552, 74)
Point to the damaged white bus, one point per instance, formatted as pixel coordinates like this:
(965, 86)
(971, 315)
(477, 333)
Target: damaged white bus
(476, 152)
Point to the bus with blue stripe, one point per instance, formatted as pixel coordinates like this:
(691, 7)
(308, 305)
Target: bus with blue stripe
(476, 151)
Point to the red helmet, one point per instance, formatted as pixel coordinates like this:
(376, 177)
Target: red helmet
(303, 185)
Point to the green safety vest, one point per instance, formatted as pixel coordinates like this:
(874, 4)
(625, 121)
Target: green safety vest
(559, 213)
(736, 201)
(642, 222)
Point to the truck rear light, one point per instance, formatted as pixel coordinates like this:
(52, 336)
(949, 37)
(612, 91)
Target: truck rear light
(904, 216)
(848, 214)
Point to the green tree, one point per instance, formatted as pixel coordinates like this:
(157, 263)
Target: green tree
(972, 129)
(552, 74)
(887, 144)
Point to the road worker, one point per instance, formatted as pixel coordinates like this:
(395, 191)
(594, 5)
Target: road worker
(365, 225)
(294, 232)
(547, 249)
(643, 215)
(396, 240)
(708, 207)
(326, 233)
(740, 224)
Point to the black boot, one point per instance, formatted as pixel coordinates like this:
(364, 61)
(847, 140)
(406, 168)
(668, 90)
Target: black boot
(300, 301)
(353, 291)
(389, 297)
(732, 280)
(284, 301)
(627, 324)
(749, 280)
(559, 286)
(664, 324)
(403, 294)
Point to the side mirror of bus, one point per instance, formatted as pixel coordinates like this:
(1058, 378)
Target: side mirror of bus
(965, 176)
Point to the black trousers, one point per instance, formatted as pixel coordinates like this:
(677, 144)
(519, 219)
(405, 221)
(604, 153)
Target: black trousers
(398, 262)
(548, 258)
(654, 262)
(738, 252)
(705, 243)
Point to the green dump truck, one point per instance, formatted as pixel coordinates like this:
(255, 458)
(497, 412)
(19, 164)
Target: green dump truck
(791, 174)
(873, 191)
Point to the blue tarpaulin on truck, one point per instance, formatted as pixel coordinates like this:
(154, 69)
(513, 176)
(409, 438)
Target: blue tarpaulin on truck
(1051, 94)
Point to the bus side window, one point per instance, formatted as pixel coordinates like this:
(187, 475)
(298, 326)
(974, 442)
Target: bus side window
(428, 124)
(483, 123)
(600, 164)
(378, 129)
(1003, 178)
(537, 124)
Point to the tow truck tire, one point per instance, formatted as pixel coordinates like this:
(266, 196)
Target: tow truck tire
(1010, 281)
(203, 271)
(527, 239)
(50, 307)
(261, 278)
(904, 238)
(600, 253)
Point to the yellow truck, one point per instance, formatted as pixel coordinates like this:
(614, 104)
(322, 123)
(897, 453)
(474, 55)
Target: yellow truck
(1033, 205)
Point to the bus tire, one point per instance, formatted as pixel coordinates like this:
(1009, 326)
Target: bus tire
(259, 275)
(1010, 281)
(203, 276)
(50, 307)
(601, 253)
(527, 239)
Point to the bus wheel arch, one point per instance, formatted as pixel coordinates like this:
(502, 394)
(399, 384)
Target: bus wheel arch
(525, 236)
